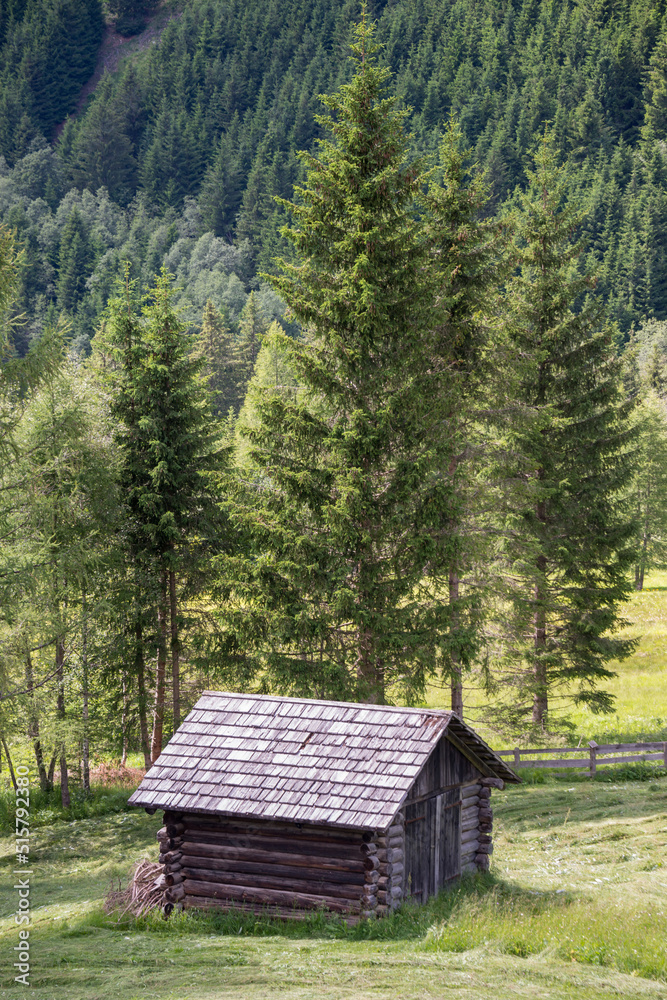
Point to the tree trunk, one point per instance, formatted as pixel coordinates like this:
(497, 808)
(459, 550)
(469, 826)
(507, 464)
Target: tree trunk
(84, 693)
(9, 761)
(140, 667)
(639, 570)
(540, 699)
(33, 726)
(369, 670)
(123, 722)
(456, 682)
(64, 777)
(175, 649)
(160, 673)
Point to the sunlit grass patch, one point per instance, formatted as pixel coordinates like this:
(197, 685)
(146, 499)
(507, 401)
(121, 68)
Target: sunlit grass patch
(630, 938)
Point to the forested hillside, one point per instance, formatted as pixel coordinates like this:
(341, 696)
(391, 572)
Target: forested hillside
(218, 109)
(337, 422)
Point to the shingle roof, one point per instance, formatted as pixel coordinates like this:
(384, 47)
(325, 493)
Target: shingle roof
(297, 760)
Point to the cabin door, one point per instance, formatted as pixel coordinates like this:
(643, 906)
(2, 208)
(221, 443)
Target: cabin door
(432, 844)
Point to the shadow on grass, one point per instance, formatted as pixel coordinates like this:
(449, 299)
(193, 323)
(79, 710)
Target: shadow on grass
(410, 922)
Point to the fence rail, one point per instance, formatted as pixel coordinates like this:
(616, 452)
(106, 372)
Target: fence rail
(593, 760)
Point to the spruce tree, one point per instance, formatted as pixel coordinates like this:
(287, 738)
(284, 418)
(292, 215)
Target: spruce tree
(74, 262)
(468, 253)
(252, 327)
(168, 445)
(570, 536)
(216, 348)
(342, 510)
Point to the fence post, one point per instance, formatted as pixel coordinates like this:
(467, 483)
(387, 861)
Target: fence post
(517, 756)
(593, 756)
(664, 755)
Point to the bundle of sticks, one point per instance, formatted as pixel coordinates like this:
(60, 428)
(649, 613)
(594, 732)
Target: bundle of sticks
(143, 892)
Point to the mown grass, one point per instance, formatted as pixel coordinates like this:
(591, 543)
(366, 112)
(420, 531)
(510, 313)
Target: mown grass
(575, 905)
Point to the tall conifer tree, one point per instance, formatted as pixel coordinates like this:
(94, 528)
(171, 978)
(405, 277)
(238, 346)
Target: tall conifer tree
(571, 535)
(468, 253)
(336, 598)
(167, 437)
(216, 348)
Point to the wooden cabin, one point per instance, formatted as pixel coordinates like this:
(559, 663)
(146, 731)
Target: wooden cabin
(298, 805)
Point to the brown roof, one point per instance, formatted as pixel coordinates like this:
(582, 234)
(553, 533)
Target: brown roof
(297, 760)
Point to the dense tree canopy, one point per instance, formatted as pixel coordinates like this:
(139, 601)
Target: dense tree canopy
(425, 463)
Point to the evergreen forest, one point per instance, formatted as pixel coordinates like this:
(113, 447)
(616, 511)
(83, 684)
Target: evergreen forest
(334, 358)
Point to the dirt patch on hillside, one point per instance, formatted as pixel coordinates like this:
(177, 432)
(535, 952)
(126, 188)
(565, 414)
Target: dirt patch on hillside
(115, 48)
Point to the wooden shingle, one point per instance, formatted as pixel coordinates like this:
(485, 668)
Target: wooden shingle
(332, 763)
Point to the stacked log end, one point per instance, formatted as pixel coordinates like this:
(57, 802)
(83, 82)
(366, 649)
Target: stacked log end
(170, 839)
(391, 866)
(477, 824)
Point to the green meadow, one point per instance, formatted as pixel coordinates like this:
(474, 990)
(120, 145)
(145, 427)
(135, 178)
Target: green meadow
(575, 904)
(639, 688)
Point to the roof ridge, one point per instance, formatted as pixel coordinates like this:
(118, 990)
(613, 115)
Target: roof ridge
(323, 701)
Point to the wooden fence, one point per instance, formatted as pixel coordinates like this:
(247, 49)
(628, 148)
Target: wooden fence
(597, 755)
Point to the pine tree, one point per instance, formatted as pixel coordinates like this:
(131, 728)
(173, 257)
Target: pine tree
(333, 599)
(167, 439)
(570, 538)
(651, 486)
(216, 348)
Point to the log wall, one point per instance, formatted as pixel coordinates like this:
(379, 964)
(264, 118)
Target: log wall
(287, 868)
(477, 824)
(391, 866)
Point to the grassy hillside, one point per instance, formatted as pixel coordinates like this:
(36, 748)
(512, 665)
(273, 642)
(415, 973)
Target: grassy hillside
(639, 689)
(576, 905)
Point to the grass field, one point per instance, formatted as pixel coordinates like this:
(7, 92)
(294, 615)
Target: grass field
(575, 904)
(639, 689)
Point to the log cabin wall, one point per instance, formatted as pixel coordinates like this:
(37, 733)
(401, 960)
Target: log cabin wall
(442, 827)
(211, 862)
(477, 824)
